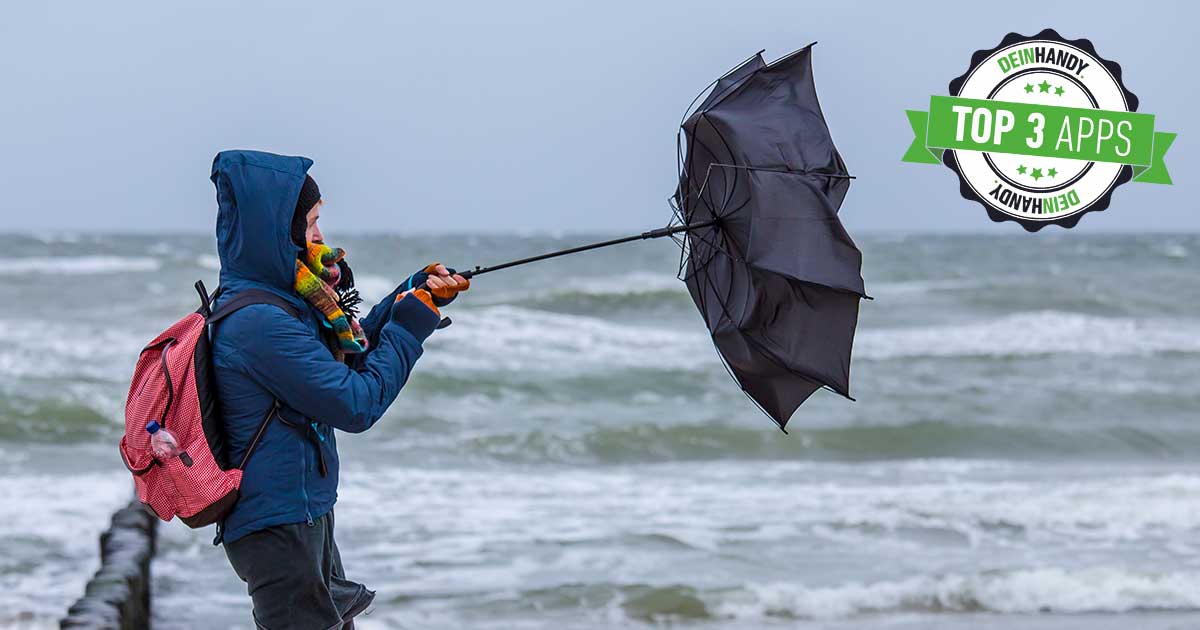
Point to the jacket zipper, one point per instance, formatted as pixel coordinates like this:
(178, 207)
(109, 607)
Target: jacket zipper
(304, 454)
(304, 481)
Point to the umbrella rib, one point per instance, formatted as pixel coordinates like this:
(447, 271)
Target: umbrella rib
(741, 387)
(703, 145)
(718, 80)
(715, 215)
(699, 192)
(714, 246)
(763, 349)
(722, 302)
(790, 55)
(700, 197)
(730, 190)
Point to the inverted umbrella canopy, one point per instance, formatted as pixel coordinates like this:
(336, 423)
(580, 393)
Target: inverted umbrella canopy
(764, 256)
(775, 275)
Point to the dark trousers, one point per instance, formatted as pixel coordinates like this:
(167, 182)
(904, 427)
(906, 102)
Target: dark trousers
(294, 575)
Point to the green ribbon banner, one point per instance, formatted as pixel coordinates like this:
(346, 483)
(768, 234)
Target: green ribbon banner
(1094, 135)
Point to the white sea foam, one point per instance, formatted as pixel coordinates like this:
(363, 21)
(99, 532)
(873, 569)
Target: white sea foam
(883, 290)
(46, 349)
(208, 261)
(512, 337)
(372, 288)
(631, 283)
(82, 265)
(717, 510)
(48, 535)
(1031, 334)
(1098, 589)
(453, 538)
(1174, 250)
(720, 505)
(51, 238)
(515, 338)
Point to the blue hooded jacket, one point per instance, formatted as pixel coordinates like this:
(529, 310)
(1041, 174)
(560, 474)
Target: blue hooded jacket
(262, 353)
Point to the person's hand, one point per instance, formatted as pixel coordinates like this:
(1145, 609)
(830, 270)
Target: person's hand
(444, 284)
(424, 296)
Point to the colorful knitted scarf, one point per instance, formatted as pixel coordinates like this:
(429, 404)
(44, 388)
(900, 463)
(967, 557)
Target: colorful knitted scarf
(317, 273)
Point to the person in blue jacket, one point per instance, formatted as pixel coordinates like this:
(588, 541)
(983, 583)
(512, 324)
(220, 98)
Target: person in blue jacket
(324, 373)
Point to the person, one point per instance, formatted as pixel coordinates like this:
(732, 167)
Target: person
(323, 371)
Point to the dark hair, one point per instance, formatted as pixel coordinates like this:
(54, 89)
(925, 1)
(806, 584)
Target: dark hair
(310, 194)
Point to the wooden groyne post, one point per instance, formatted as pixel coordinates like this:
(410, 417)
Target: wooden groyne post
(118, 596)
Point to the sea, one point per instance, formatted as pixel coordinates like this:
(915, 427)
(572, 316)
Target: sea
(571, 454)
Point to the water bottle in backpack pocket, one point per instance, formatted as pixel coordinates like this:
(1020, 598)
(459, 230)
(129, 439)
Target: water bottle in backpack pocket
(163, 445)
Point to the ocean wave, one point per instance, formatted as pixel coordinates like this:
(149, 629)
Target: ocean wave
(886, 290)
(639, 292)
(61, 418)
(1043, 590)
(49, 534)
(1032, 334)
(1174, 250)
(82, 265)
(632, 442)
(373, 288)
(1050, 590)
(527, 340)
(726, 505)
(53, 238)
(33, 348)
(631, 283)
(208, 261)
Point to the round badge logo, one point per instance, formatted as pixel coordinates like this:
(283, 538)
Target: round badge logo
(1040, 130)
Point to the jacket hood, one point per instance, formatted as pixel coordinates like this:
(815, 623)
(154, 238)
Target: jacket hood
(256, 198)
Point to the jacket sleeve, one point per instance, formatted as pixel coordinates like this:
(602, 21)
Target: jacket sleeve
(372, 324)
(283, 356)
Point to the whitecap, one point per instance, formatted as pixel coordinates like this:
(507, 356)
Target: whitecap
(1032, 334)
(1096, 589)
(372, 288)
(83, 265)
(1174, 250)
(519, 339)
(51, 527)
(208, 261)
(633, 283)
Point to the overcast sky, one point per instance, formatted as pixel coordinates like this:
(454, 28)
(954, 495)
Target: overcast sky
(494, 116)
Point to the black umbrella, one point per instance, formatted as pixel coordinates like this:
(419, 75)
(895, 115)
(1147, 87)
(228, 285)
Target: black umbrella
(775, 275)
(764, 256)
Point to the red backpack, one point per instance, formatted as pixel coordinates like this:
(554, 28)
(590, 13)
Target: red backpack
(173, 385)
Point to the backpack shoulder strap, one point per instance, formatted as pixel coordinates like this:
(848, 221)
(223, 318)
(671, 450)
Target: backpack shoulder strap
(243, 299)
(253, 296)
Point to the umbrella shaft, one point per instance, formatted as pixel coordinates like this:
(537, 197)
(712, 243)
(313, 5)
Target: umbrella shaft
(659, 233)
